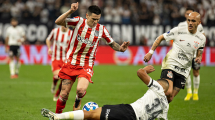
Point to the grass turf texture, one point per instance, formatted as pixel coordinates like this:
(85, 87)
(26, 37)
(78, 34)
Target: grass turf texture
(23, 98)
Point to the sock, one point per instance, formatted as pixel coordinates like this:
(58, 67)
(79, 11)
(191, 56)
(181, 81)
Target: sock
(12, 67)
(79, 97)
(61, 103)
(74, 115)
(55, 81)
(58, 91)
(188, 85)
(18, 64)
(196, 82)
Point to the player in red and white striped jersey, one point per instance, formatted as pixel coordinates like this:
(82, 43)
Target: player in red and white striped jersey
(81, 52)
(60, 38)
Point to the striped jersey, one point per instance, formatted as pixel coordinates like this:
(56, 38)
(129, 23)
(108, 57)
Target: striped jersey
(60, 43)
(84, 41)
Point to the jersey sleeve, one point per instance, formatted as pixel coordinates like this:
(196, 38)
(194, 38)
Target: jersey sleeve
(156, 87)
(201, 47)
(171, 34)
(7, 32)
(200, 28)
(106, 36)
(22, 31)
(51, 35)
(72, 22)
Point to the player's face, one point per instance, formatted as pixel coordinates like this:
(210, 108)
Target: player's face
(193, 23)
(14, 23)
(93, 19)
(187, 13)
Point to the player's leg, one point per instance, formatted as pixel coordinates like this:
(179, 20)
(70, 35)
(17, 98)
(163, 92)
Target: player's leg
(64, 94)
(169, 76)
(17, 63)
(73, 115)
(196, 82)
(57, 92)
(55, 71)
(12, 62)
(81, 92)
(189, 90)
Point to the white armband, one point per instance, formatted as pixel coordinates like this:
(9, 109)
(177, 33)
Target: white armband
(150, 82)
(151, 51)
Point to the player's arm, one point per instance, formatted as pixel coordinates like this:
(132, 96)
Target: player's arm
(6, 44)
(115, 46)
(61, 20)
(49, 43)
(157, 42)
(143, 73)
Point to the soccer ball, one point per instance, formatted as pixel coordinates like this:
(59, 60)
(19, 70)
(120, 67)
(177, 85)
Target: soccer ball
(90, 106)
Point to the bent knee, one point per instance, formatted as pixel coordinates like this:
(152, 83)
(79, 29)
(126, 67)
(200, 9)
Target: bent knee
(80, 91)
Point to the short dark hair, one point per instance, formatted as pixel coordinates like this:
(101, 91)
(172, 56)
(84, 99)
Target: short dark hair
(13, 19)
(189, 8)
(94, 9)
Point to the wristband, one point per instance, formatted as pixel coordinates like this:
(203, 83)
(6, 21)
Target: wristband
(151, 51)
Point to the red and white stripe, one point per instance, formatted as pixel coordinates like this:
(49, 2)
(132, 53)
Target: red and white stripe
(60, 43)
(80, 53)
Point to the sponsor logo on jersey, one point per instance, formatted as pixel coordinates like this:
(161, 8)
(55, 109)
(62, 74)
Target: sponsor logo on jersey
(182, 56)
(180, 69)
(169, 74)
(196, 44)
(188, 44)
(86, 41)
(96, 33)
(181, 40)
(182, 33)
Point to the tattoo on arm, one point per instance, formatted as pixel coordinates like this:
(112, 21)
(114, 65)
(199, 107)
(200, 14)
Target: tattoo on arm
(115, 46)
(156, 43)
(176, 89)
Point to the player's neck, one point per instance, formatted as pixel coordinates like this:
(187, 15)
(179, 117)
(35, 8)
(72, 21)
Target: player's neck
(192, 31)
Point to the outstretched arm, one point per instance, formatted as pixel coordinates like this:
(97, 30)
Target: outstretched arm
(157, 42)
(48, 43)
(143, 73)
(117, 47)
(61, 20)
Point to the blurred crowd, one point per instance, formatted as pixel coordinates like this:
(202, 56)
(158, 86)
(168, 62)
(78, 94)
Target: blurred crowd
(147, 12)
(157, 12)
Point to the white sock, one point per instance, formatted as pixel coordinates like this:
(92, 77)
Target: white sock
(188, 84)
(12, 67)
(196, 82)
(18, 64)
(73, 115)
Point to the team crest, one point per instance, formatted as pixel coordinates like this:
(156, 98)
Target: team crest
(195, 44)
(169, 74)
(96, 33)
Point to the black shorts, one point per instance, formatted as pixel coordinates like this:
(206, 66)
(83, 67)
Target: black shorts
(177, 79)
(117, 112)
(195, 66)
(14, 50)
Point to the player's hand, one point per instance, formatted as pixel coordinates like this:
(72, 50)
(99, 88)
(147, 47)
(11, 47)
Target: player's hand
(147, 57)
(50, 51)
(149, 69)
(124, 46)
(19, 41)
(198, 60)
(74, 6)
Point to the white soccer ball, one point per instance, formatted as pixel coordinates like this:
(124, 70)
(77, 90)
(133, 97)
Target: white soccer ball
(90, 106)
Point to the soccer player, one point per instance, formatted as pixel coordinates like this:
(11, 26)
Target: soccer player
(15, 35)
(60, 38)
(152, 105)
(176, 65)
(195, 66)
(81, 52)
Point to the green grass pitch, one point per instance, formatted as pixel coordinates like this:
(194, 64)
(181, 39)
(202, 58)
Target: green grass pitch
(23, 98)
